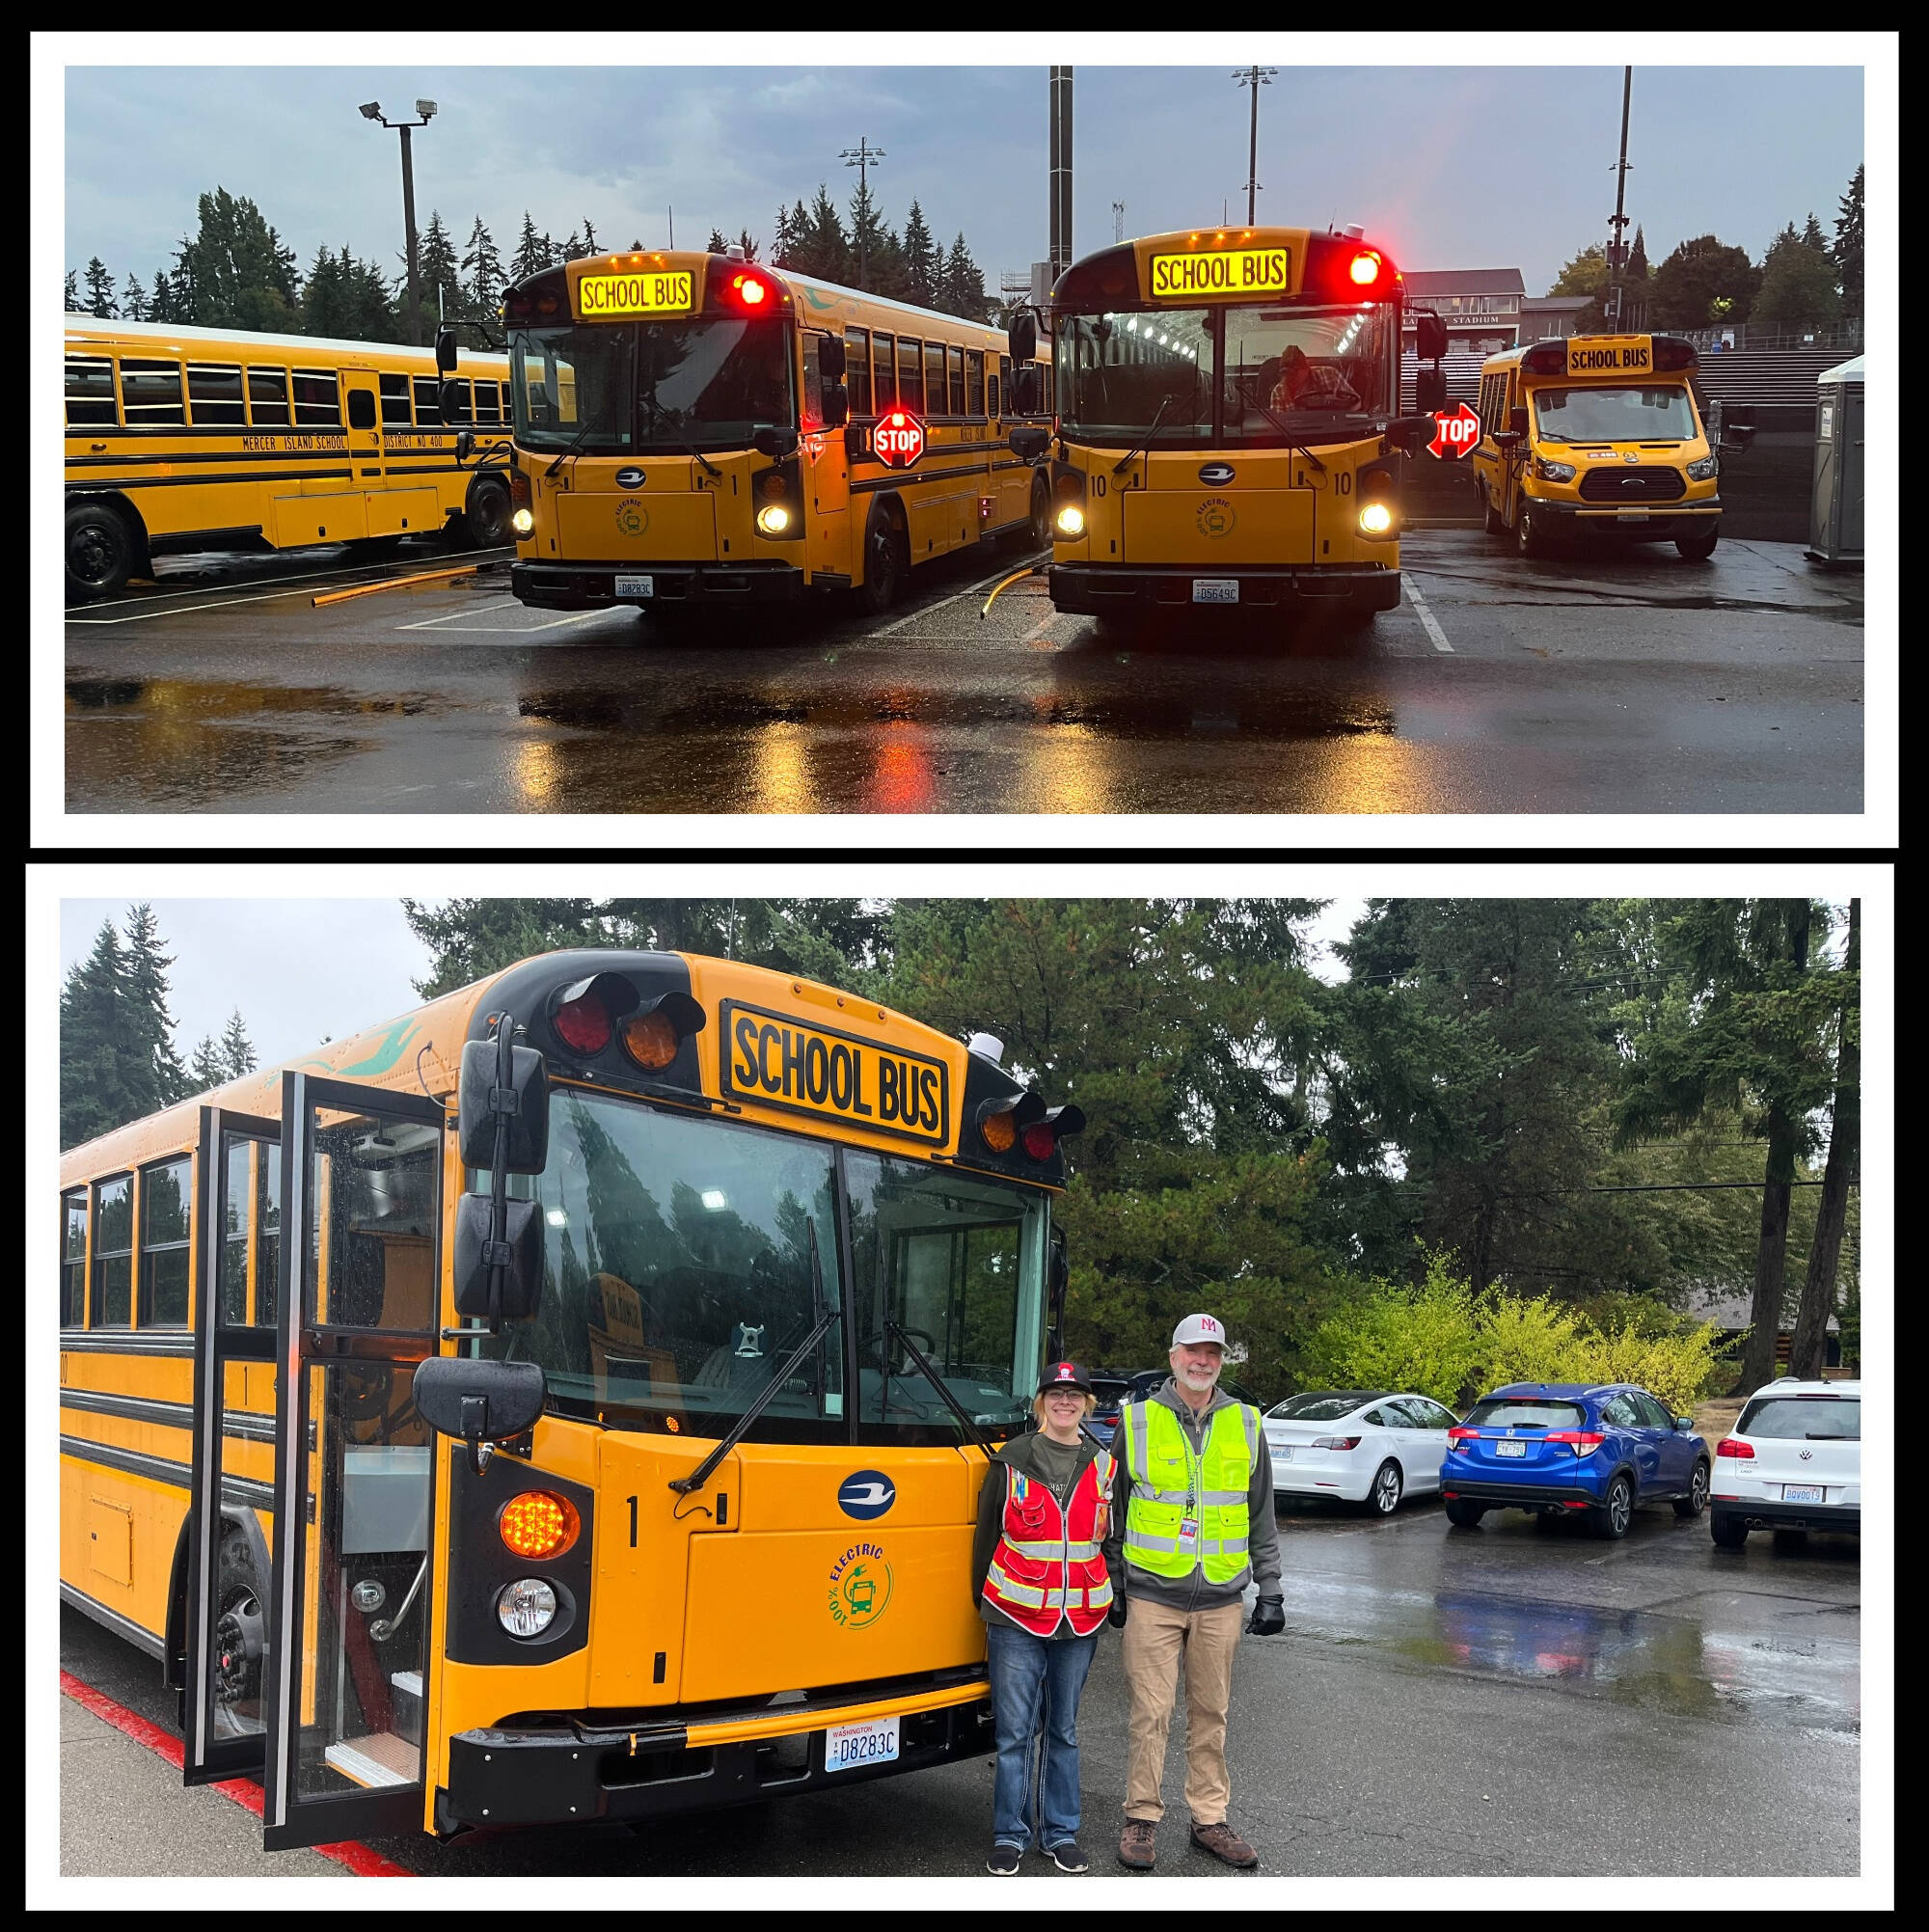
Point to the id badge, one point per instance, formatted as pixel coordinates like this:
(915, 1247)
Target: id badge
(1188, 1536)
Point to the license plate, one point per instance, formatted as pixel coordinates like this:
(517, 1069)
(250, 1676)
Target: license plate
(850, 1747)
(1641, 517)
(635, 587)
(1510, 1449)
(1215, 589)
(1801, 1493)
(1283, 1451)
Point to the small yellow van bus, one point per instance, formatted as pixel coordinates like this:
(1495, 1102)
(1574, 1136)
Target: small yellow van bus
(699, 429)
(1227, 427)
(180, 438)
(565, 1402)
(1597, 435)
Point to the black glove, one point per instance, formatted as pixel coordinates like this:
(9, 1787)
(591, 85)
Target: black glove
(1268, 1617)
(1116, 1615)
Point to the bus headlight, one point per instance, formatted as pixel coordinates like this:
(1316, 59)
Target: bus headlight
(1375, 519)
(1702, 468)
(527, 1607)
(522, 522)
(774, 519)
(1554, 472)
(1071, 521)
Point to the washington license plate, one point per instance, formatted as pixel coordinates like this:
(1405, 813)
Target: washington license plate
(850, 1747)
(1510, 1449)
(1641, 518)
(635, 587)
(1801, 1493)
(1283, 1451)
(1215, 589)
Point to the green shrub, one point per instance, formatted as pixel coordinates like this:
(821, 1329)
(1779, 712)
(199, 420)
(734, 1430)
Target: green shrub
(1394, 1336)
(1678, 1368)
(1535, 1341)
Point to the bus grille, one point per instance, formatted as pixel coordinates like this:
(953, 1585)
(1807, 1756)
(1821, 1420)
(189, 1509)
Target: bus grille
(1643, 486)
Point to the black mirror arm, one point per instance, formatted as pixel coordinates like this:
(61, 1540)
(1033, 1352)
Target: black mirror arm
(937, 1382)
(503, 1102)
(702, 1474)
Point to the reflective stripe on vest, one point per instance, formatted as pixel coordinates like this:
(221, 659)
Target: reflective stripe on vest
(1043, 1581)
(1158, 1452)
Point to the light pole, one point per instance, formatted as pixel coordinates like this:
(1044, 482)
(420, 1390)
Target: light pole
(1255, 77)
(860, 158)
(371, 110)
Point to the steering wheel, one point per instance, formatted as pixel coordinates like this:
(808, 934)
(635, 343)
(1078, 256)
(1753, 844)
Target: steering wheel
(927, 1342)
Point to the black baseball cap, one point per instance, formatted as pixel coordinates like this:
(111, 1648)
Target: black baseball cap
(1064, 1375)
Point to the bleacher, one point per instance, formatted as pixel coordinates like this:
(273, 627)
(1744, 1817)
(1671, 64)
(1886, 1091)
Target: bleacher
(1772, 378)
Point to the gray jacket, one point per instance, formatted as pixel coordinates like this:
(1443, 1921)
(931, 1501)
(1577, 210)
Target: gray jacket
(1194, 1591)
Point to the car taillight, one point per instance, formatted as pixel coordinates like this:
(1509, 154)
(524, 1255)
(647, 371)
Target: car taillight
(1342, 1442)
(1583, 1442)
(583, 1023)
(1459, 1439)
(1733, 1446)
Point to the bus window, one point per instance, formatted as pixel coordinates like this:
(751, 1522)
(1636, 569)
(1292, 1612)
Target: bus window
(858, 369)
(73, 1258)
(110, 1304)
(267, 1232)
(935, 400)
(214, 392)
(465, 407)
(151, 393)
(268, 396)
(90, 391)
(164, 1211)
(395, 401)
(508, 414)
(236, 1215)
(317, 401)
(885, 371)
(428, 412)
(1001, 386)
(488, 402)
(955, 363)
(910, 376)
(974, 382)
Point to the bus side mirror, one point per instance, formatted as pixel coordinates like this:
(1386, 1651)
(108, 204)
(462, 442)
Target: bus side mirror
(451, 402)
(465, 445)
(830, 358)
(1028, 443)
(1507, 440)
(524, 1099)
(1518, 420)
(836, 401)
(1429, 335)
(1412, 433)
(478, 1402)
(775, 444)
(1024, 391)
(478, 1253)
(1429, 390)
(1022, 336)
(445, 349)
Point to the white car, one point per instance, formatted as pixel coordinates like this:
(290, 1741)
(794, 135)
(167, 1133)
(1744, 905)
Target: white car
(1360, 1445)
(1794, 1461)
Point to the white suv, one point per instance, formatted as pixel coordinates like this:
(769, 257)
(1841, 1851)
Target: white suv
(1793, 1462)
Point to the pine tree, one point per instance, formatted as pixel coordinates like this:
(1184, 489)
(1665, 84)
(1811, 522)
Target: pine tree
(964, 285)
(241, 273)
(531, 256)
(781, 239)
(155, 1078)
(325, 307)
(867, 250)
(716, 244)
(134, 300)
(1813, 235)
(826, 249)
(238, 1051)
(99, 291)
(792, 243)
(588, 236)
(207, 1069)
(161, 303)
(370, 301)
(484, 292)
(573, 249)
(1846, 252)
(93, 1043)
(748, 243)
(921, 259)
(72, 292)
(441, 275)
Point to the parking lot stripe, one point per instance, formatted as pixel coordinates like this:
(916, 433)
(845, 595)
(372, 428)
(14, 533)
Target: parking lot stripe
(498, 630)
(928, 610)
(1426, 616)
(357, 1857)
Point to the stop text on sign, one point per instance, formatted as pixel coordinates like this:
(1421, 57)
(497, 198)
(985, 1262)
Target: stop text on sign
(897, 440)
(1455, 431)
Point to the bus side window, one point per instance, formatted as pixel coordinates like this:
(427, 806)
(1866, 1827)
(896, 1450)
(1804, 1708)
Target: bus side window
(1001, 385)
(428, 411)
(395, 401)
(164, 1211)
(269, 397)
(974, 382)
(858, 369)
(955, 363)
(214, 392)
(110, 1299)
(935, 402)
(811, 407)
(151, 392)
(886, 372)
(317, 399)
(509, 415)
(267, 1230)
(89, 392)
(488, 404)
(910, 376)
(73, 1259)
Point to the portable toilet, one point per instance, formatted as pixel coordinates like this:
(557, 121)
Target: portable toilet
(1835, 511)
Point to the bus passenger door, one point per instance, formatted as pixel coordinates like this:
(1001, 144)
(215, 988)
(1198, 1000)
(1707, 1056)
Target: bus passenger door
(237, 1215)
(353, 1465)
(827, 478)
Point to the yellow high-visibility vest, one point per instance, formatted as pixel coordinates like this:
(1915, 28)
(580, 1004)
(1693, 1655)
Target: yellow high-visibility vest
(1170, 1485)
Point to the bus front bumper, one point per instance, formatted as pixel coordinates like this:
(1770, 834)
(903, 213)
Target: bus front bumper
(590, 586)
(1096, 590)
(1658, 520)
(569, 1771)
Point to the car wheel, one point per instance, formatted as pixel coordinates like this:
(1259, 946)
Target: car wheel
(1696, 1498)
(100, 551)
(1697, 548)
(1730, 1532)
(1613, 1517)
(1490, 518)
(1464, 1516)
(1383, 1498)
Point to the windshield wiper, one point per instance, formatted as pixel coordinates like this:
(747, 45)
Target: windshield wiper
(1124, 462)
(675, 442)
(893, 1332)
(575, 444)
(1266, 410)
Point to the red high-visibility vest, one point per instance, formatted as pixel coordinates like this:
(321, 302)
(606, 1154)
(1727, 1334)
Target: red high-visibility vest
(1046, 1566)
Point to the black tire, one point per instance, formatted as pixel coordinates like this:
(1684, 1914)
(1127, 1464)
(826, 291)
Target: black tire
(1730, 1532)
(100, 550)
(1696, 1501)
(1490, 518)
(1698, 549)
(1612, 1519)
(884, 569)
(1464, 1516)
(486, 520)
(240, 1638)
(1528, 540)
(1040, 514)
(1383, 1498)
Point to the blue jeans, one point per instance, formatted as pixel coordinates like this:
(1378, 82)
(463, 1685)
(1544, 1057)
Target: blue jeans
(1036, 1684)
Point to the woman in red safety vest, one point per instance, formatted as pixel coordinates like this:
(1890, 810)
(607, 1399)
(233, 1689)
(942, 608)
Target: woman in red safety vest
(1040, 1585)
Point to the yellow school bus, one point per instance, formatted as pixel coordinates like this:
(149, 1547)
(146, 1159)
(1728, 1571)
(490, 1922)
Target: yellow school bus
(1597, 436)
(180, 438)
(1227, 427)
(564, 1401)
(697, 430)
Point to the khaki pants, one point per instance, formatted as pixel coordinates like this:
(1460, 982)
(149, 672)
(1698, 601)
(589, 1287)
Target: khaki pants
(1156, 1642)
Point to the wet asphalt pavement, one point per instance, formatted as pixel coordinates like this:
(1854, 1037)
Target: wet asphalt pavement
(1501, 1700)
(1597, 682)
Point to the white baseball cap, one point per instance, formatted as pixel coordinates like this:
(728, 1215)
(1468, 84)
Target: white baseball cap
(1199, 1328)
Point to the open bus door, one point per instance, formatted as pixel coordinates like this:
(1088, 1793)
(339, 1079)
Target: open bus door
(360, 1307)
(238, 1212)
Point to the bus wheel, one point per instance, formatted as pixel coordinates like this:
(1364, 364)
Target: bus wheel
(1040, 515)
(100, 551)
(487, 516)
(1527, 536)
(1490, 518)
(240, 1639)
(1698, 549)
(883, 564)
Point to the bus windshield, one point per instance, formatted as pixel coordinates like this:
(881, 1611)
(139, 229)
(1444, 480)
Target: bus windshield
(1119, 375)
(1624, 415)
(709, 382)
(1300, 369)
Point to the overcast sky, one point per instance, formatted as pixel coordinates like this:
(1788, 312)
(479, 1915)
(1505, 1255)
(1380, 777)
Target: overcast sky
(1447, 167)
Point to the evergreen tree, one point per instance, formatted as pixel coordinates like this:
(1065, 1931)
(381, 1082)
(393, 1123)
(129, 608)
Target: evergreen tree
(531, 256)
(962, 288)
(792, 249)
(370, 301)
(716, 244)
(748, 243)
(482, 295)
(161, 302)
(325, 300)
(238, 1051)
(1798, 282)
(207, 1069)
(1704, 281)
(134, 300)
(1813, 235)
(94, 1043)
(440, 274)
(573, 249)
(241, 274)
(868, 233)
(1585, 274)
(161, 1079)
(72, 292)
(824, 249)
(1847, 249)
(1637, 286)
(921, 259)
(1638, 270)
(589, 237)
(99, 291)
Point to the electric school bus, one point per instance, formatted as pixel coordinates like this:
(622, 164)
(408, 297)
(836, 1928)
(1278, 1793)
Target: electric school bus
(1597, 434)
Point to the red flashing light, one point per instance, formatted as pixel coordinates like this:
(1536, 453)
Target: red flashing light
(1729, 1446)
(583, 1024)
(897, 419)
(1366, 267)
(898, 441)
(751, 288)
(1039, 1142)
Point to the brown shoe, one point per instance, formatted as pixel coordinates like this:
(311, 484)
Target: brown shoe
(1223, 1842)
(1135, 1845)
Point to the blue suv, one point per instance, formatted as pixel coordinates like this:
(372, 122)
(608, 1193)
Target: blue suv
(1559, 1447)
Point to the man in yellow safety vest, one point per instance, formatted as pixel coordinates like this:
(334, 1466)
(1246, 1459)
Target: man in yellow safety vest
(1191, 1525)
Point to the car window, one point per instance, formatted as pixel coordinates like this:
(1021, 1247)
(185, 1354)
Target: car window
(1621, 1412)
(1652, 1411)
(1315, 1408)
(1803, 1418)
(1411, 1413)
(1525, 1412)
(1432, 1414)
(1379, 1419)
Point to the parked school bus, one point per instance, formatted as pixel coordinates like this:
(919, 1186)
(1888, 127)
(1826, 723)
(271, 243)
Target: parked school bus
(180, 438)
(697, 430)
(1227, 427)
(620, 1337)
(1594, 437)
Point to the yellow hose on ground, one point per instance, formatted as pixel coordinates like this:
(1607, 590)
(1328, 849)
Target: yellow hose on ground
(391, 583)
(1030, 570)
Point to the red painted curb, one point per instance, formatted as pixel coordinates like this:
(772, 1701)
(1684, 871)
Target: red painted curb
(356, 1856)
